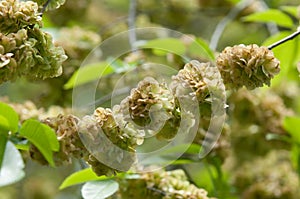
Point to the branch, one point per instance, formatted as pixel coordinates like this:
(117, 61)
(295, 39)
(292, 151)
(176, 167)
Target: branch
(290, 37)
(131, 24)
(223, 23)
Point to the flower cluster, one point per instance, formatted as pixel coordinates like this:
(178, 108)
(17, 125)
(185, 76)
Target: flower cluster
(69, 140)
(203, 83)
(254, 116)
(150, 106)
(164, 185)
(271, 177)
(16, 15)
(25, 50)
(104, 139)
(28, 110)
(199, 79)
(250, 66)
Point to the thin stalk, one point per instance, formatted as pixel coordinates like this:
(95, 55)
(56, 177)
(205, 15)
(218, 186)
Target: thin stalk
(290, 37)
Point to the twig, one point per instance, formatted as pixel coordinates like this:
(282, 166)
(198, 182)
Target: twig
(131, 24)
(45, 6)
(290, 37)
(223, 23)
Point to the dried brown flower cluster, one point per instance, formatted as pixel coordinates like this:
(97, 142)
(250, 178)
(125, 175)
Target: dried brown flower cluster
(250, 66)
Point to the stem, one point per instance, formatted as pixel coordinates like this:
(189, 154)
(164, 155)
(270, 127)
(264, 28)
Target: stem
(290, 37)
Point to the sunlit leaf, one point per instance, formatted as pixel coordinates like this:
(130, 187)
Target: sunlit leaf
(82, 176)
(182, 148)
(89, 73)
(170, 45)
(202, 175)
(291, 125)
(4, 123)
(8, 118)
(3, 141)
(200, 48)
(13, 165)
(295, 155)
(99, 189)
(271, 15)
(290, 9)
(41, 136)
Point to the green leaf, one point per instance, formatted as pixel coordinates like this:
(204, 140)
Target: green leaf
(99, 189)
(200, 48)
(290, 9)
(271, 15)
(295, 154)
(88, 73)
(81, 177)
(291, 125)
(13, 165)
(4, 123)
(8, 118)
(41, 136)
(3, 141)
(182, 148)
(202, 175)
(166, 44)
